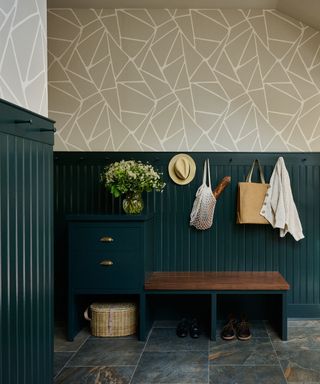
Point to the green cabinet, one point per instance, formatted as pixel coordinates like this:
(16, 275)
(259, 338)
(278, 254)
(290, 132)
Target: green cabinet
(26, 257)
(109, 255)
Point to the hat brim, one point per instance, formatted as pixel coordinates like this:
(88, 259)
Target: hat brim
(172, 173)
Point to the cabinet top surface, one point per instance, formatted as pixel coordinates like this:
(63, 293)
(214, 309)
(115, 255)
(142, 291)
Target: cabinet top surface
(118, 217)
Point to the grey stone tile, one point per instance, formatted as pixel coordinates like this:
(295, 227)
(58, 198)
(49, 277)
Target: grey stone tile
(95, 375)
(62, 345)
(257, 351)
(304, 323)
(300, 365)
(133, 337)
(295, 332)
(165, 340)
(59, 361)
(258, 329)
(273, 333)
(172, 368)
(107, 352)
(300, 337)
(246, 375)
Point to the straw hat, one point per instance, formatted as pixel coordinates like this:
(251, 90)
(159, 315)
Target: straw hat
(182, 169)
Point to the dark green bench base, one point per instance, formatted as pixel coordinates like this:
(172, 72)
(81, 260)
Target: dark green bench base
(214, 285)
(278, 320)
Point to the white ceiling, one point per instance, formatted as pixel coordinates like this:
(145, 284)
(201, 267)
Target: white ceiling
(308, 11)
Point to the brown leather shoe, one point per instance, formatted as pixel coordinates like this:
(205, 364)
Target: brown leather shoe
(229, 330)
(243, 330)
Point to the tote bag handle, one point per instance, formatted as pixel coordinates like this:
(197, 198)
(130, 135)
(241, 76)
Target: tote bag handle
(206, 180)
(249, 176)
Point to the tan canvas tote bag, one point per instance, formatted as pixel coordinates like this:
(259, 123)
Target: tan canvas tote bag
(250, 198)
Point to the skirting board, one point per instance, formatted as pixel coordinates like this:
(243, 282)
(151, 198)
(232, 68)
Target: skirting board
(305, 311)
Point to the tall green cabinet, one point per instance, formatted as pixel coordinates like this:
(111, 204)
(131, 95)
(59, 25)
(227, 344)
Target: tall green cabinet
(26, 230)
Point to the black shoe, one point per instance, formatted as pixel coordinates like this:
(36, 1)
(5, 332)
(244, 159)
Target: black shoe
(194, 329)
(229, 330)
(243, 330)
(182, 328)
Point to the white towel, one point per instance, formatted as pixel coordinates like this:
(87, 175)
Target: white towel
(279, 207)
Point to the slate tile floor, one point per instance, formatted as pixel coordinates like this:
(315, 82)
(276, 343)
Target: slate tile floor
(167, 359)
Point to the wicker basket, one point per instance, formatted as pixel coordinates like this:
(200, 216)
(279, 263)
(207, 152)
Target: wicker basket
(112, 319)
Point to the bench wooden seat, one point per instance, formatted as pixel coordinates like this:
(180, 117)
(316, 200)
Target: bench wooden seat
(217, 284)
(207, 281)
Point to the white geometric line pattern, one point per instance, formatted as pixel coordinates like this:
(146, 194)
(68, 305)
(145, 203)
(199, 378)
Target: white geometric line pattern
(183, 80)
(23, 60)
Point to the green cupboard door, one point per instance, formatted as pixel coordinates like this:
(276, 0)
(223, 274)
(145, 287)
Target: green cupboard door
(26, 268)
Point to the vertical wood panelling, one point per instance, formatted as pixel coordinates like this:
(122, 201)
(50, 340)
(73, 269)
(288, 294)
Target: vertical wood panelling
(26, 284)
(226, 246)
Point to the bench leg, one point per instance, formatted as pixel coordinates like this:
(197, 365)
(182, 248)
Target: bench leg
(142, 317)
(213, 316)
(284, 316)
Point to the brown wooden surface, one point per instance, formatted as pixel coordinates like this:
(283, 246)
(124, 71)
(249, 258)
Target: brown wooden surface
(234, 281)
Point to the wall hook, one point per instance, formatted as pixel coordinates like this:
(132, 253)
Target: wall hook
(48, 129)
(23, 121)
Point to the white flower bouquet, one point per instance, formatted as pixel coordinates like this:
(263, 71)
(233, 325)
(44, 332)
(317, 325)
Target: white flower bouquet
(131, 176)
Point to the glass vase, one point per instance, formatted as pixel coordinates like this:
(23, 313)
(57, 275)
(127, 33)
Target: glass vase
(132, 204)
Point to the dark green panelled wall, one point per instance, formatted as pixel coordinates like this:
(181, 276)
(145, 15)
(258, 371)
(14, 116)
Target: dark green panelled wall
(26, 254)
(226, 246)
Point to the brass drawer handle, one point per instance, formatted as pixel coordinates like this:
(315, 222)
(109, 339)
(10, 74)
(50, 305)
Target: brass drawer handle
(106, 239)
(106, 263)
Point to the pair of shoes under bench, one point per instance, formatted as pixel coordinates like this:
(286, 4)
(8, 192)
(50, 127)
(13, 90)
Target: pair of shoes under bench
(236, 329)
(183, 328)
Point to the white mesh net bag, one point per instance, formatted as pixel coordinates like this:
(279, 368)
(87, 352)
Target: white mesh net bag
(204, 204)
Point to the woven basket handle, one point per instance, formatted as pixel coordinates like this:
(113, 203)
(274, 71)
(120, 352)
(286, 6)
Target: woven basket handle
(86, 314)
(249, 176)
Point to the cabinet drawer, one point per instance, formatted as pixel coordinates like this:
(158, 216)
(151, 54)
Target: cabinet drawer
(106, 270)
(101, 236)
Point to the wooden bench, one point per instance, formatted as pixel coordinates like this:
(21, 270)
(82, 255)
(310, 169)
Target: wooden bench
(222, 283)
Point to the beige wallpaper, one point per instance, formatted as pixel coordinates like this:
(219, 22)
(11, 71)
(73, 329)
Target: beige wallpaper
(23, 53)
(183, 80)
(307, 11)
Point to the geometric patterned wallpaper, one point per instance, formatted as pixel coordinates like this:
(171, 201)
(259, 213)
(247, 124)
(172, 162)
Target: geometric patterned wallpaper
(23, 58)
(183, 80)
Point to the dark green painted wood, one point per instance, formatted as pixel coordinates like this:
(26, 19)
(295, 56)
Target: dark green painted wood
(274, 310)
(308, 311)
(284, 316)
(226, 246)
(26, 254)
(130, 252)
(20, 122)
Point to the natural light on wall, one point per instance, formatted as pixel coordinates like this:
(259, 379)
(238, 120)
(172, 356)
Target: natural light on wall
(23, 58)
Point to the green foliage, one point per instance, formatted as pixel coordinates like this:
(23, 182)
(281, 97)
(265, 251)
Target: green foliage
(131, 176)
